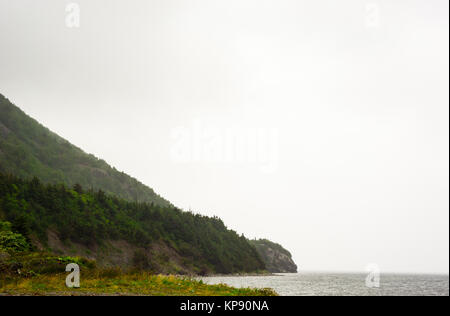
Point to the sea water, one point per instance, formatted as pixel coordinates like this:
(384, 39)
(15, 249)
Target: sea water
(341, 284)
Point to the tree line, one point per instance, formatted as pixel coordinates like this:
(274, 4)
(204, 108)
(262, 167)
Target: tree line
(91, 217)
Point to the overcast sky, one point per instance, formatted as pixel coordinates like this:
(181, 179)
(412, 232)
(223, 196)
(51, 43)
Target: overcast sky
(321, 125)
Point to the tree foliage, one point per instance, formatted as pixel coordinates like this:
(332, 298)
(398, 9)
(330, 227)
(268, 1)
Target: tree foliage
(91, 217)
(12, 241)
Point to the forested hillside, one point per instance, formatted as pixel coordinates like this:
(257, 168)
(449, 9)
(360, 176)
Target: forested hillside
(93, 218)
(28, 149)
(70, 202)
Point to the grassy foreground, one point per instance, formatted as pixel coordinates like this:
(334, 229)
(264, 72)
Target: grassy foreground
(35, 273)
(126, 284)
(24, 271)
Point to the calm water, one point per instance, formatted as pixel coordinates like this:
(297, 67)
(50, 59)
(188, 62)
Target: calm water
(341, 284)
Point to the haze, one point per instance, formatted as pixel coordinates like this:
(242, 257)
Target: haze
(339, 110)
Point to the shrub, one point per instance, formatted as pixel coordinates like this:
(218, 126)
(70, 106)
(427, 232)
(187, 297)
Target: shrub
(12, 242)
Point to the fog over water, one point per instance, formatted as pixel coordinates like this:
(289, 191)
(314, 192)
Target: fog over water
(321, 125)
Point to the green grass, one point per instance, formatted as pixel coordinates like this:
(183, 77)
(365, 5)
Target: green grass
(40, 273)
(94, 283)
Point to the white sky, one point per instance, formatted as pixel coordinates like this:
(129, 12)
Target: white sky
(355, 93)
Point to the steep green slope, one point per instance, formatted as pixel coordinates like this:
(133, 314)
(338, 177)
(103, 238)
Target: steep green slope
(28, 149)
(197, 244)
(276, 258)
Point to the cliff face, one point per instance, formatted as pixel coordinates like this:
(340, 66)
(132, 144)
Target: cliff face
(276, 258)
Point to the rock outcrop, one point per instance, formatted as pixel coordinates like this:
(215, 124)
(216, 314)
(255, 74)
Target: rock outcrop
(276, 258)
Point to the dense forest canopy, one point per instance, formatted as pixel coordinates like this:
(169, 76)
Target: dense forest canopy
(88, 216)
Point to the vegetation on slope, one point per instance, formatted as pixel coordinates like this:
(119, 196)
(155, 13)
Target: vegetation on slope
(28, 149)
(93, 217)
